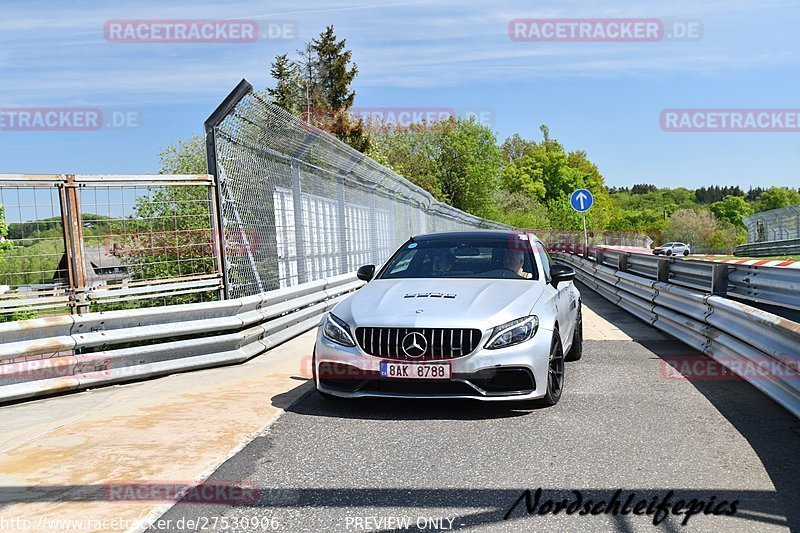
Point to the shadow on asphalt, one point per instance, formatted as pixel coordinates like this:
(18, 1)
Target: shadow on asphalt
(771, 431)
(312, 404)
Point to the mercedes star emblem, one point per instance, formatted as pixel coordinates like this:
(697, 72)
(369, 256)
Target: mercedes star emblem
(415, 344)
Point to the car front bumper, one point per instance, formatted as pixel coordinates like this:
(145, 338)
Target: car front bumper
(514, 373)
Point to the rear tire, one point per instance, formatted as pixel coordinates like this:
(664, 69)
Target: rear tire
(576, 350)
(685, 253)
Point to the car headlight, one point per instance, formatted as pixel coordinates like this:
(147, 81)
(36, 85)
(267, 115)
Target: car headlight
(335, 329)
(513, 332)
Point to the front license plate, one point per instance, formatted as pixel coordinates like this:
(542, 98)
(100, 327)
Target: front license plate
(412, 371)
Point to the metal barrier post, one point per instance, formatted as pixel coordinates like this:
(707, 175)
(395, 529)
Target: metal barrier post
(719, 279)
(663, 269)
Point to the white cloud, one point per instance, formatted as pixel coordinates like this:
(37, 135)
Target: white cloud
(59, 54)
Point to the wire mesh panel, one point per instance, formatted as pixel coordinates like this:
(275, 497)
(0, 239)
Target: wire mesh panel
(33, 282)
(72, 244)
(775, 225)
(138, 237)
(302, 205)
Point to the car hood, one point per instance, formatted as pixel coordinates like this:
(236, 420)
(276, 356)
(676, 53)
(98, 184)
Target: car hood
(478, 303)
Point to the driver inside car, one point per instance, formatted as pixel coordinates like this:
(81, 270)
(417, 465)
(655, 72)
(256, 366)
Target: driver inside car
(514, 260)
(443, 263)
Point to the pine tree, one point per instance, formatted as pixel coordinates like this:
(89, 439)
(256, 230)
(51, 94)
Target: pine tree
(331, 63)
(286, 93)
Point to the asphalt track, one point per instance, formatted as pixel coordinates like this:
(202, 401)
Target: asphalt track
(628, 421)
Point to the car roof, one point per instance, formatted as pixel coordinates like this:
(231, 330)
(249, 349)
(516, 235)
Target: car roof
(476, 234)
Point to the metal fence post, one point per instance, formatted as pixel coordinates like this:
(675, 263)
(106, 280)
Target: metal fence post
(341, 216)
(216, 235)
(391, 230)
(373, 227)
(622, 263)
(299, 236)
(73, 243)
(216, 117)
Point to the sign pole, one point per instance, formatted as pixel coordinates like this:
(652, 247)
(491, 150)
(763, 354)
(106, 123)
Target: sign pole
(585, 238)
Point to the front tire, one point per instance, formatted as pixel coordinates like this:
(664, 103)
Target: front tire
(576, 350)
(555, 373)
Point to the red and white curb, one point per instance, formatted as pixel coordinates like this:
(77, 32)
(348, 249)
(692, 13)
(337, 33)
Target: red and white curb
(760, 262)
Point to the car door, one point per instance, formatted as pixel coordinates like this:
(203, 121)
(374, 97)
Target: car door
(560, 296)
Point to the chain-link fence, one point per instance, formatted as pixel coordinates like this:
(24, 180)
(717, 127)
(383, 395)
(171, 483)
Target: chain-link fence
(774, 225)
(71, 244)
(298, 205)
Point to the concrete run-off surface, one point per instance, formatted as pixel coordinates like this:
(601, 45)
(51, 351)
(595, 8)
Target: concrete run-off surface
(61, 458)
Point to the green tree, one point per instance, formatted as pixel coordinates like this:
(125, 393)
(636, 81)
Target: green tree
(776, 198)
(692, 226)
(170, 234)
(732, 209)
(456, 160)
(287, 92)
(317, 88)
(332, 72)
(4, 244)
(188, 156)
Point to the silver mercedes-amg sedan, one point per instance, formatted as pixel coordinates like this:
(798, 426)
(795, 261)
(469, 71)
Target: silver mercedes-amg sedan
(470, 314)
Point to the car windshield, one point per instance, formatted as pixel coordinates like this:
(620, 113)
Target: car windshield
(469, 257)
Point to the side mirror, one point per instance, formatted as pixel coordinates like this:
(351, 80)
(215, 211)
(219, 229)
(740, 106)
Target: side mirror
(560, 273)
(366, 272)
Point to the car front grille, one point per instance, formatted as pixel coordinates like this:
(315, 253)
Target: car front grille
(439, 343)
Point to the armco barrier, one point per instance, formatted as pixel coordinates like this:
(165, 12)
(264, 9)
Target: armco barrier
(738, 336)
(65, 353)
(769, 248)
(779, 287)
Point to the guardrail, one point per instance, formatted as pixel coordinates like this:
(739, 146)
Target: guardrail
(67, 353)
(772, 286)
(769, 248)
(761, 347)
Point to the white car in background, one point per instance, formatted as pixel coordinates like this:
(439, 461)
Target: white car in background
(483, 315)
(672, 248)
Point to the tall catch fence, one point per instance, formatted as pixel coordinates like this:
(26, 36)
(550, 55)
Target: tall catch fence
(298, 205)
(775, 225)
(772, 233)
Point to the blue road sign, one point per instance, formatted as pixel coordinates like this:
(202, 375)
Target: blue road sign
(581, 200)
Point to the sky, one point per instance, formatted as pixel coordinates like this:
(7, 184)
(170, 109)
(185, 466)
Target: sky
(602, 97)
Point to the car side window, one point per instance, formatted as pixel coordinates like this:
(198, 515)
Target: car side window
(546, 260)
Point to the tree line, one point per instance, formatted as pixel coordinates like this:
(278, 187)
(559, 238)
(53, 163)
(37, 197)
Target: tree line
(521, 182)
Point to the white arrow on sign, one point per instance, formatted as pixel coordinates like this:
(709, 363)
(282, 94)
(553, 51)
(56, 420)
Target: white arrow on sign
(582, 198)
